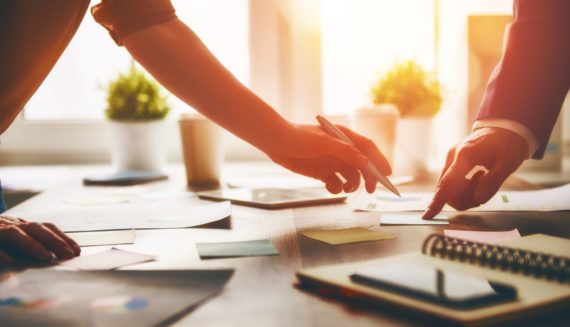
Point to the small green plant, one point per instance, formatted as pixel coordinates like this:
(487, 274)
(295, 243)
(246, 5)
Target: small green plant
(415, 92)
(133, 96)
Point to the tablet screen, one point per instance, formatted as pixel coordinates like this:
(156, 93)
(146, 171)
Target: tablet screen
(274, 197)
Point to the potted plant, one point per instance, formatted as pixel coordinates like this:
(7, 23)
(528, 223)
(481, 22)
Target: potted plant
(136, 110)
(416, 93)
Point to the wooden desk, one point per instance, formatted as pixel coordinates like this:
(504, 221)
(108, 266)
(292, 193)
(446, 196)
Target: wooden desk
(262, 292)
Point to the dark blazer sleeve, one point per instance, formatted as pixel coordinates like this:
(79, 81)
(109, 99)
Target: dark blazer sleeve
(533, 77)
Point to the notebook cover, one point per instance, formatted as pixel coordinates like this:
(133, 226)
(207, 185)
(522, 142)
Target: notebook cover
(535, 296)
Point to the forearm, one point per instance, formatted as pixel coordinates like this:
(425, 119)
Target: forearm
(182, 63)
(533, 76)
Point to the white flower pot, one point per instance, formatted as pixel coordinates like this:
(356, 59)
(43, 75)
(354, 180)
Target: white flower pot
(138, 145)
(413, 145)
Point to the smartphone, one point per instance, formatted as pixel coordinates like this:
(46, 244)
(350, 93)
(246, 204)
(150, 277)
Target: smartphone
(449, 288)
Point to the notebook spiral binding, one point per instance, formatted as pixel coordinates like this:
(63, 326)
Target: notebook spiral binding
(539, 265)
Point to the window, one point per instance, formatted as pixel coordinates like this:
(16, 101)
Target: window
(301, 56)
(71, 101)
(361, 38)
(75, 88)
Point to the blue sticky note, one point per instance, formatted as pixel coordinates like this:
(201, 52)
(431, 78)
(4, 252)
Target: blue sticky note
(236, 249)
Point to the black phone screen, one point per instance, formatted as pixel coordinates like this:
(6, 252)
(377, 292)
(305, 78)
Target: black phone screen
(435, 285)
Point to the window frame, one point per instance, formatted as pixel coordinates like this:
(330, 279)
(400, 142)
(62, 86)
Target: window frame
(278, 74)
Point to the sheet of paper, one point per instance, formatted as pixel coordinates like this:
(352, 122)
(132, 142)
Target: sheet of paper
(412, 219)
(107, 260)
(32, 178)
(349, 235)
(386, 201)
(553, 199)
(96, 200)
(166, 195)
(118, 298)
(482, 236)
(153, 214)
(114, 237)
(236, 249)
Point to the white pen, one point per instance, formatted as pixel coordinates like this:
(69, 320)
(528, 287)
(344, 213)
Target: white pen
(332, 130)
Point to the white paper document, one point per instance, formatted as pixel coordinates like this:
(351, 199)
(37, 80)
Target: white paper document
(553, 199)
(107, 260)
(108, 237)
(133, 216)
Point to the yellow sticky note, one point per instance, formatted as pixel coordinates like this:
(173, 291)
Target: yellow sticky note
(350, 235)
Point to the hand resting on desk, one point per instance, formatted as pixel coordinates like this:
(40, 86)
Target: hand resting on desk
(499, 150)
(20, 239)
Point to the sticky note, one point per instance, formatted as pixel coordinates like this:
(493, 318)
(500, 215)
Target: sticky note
(412, 219)
(349, 235)
(106, 260)
(104, 237)
(236, 249)
(482, 236)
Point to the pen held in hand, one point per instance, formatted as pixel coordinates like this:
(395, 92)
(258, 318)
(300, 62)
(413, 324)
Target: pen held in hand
(332, 130)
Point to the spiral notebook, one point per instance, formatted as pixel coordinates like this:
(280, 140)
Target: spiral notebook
(537, 265)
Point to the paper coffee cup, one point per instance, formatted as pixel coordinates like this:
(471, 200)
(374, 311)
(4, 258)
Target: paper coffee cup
(203, 150)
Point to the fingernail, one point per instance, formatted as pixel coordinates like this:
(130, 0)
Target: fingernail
(45, 255)
(67, 253)
(425, 215)
(77, 249)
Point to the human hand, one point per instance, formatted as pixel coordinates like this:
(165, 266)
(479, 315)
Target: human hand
(33, 241)
(499, 150)
(308, 150)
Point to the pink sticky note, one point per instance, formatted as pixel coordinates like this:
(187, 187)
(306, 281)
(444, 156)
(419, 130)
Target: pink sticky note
(107, 260)
(482, 236)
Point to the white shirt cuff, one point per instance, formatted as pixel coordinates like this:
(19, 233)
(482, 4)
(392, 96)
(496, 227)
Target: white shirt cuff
(512, 126)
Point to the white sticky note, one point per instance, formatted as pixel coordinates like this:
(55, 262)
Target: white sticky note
(114, 237)
(412, 219)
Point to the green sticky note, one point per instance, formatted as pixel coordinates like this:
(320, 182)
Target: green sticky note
(236, 249)
(343, 236)
(505, 199)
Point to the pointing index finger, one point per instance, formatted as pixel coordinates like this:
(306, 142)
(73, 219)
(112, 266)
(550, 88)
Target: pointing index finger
(438, 201)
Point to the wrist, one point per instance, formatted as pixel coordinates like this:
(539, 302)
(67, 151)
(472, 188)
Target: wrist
(512, 126)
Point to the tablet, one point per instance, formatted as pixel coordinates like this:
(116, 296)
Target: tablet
(273, 198)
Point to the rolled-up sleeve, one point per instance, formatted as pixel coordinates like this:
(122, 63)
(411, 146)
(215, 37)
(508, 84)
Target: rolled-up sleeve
(122, 17)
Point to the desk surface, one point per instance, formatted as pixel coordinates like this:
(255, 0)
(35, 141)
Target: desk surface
(262, 292)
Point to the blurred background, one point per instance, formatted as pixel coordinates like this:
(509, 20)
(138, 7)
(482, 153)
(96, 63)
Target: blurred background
(303, 57)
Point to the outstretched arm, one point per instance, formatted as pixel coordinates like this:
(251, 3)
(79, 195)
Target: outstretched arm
(519, 108)
(178, 59)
